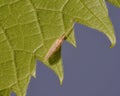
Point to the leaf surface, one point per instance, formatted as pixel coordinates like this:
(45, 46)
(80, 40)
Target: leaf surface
(115, 2)
(28, 29)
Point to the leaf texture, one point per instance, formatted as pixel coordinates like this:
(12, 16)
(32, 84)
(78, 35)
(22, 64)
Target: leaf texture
(115, 2)
(28, 29)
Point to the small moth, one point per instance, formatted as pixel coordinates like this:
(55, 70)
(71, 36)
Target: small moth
(56, 45)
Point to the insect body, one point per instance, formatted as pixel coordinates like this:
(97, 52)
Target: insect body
(56, 45)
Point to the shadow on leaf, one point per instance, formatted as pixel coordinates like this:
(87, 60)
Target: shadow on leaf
(55, 57)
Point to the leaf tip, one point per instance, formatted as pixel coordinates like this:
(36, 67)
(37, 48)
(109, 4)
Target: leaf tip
(34, 74)
(61, 80)
(112, 39)
(113, 44)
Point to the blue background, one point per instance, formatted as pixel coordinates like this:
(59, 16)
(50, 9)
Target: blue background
(91, 69)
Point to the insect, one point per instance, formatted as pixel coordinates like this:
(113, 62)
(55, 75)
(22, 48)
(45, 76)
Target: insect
(56, 45)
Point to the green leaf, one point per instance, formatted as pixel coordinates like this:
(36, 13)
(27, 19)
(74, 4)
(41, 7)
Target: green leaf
(71, 38)
(5, 92)
(20, 87)
(28, 29)
(115, 2)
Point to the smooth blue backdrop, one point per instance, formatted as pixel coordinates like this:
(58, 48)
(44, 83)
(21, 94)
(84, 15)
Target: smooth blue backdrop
(91, 69)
